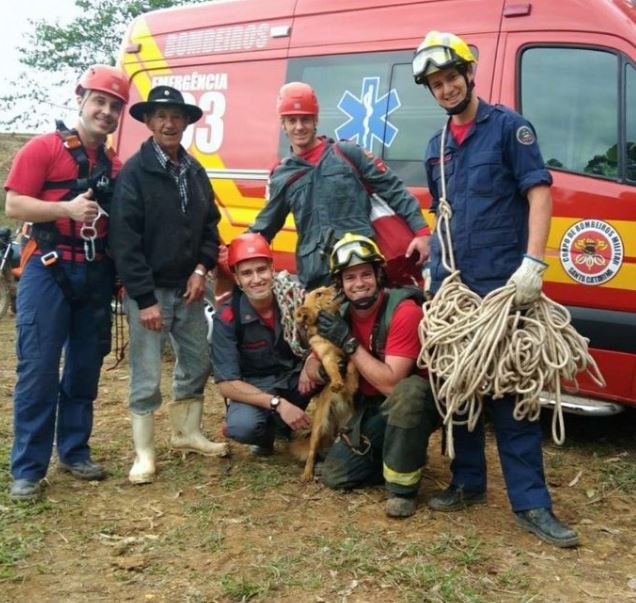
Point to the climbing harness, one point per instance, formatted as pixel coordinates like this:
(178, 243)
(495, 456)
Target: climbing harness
(475, 348)
(360, 449)
(48, 237)
(88, 232)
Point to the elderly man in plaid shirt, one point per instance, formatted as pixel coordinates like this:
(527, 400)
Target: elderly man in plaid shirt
(164, 238)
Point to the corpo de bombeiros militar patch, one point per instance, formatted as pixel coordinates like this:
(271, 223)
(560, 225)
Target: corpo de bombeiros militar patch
(591, 252)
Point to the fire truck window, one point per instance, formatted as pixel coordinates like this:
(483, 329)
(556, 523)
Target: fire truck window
(419, 116)
(418, 119)
(571, 97)
(630, 123)
(354, 96)
(372, 100)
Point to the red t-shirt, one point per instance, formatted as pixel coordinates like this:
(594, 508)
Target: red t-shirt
(314, 154)
(401, 340)
(269, 321)
(43, 159)
(460, 131)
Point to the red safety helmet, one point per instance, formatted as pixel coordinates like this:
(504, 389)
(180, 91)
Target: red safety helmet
(297, 98)
(248, 246)
(105, 79)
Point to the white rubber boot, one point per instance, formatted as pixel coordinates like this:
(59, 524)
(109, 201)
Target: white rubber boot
(143, 469)
(185, 419)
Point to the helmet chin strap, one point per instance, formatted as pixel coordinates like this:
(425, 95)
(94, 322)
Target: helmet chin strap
(364, 303)
(461, 106)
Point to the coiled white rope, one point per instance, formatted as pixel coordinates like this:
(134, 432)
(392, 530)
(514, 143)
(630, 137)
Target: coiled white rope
(289, 295)
(475, 348)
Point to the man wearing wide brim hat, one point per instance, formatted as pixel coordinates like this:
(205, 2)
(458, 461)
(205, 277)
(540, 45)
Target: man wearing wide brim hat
(162, 96)
(165, 239)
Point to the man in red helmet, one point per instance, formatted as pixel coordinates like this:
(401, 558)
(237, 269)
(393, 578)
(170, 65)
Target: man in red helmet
(165, 238)
(62, 183)
(254, 367)
(326, 184)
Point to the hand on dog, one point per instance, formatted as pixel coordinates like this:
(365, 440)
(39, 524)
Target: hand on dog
(293, 416)
(306, 384)
(333, 328)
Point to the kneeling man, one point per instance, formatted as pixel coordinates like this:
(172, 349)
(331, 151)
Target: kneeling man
(387, 438)
(254, 367)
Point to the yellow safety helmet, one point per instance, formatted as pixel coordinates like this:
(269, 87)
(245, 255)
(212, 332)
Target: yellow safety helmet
(439, 51)
(353, 249)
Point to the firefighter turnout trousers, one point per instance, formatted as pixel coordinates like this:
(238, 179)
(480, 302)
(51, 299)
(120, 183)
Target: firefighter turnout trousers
(385, 441)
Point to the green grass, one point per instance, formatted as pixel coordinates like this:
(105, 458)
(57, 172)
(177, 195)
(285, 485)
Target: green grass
(246, 529)
(239, 589)
(256, 476)
(618, 474)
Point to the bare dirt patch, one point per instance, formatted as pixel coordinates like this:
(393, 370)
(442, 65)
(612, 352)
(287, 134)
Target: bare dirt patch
(248, 530)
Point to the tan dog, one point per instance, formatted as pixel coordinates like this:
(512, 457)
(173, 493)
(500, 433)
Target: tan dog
(333, 405)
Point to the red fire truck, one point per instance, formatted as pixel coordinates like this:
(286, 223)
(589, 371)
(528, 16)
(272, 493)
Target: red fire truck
(568, 66)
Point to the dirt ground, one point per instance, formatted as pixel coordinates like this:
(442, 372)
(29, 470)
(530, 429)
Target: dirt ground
(246, 529)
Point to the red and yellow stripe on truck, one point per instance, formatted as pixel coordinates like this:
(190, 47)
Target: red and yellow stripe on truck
(231, 58)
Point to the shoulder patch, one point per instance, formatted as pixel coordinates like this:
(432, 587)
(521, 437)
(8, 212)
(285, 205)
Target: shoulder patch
(380, 165)
(227, 315)
(525, 135)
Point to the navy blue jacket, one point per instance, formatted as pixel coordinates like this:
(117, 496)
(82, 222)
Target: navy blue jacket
(252, 352)
(487, 178)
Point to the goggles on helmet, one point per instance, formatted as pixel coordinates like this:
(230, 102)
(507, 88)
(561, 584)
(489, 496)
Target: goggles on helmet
(433, 58)
(354, 252)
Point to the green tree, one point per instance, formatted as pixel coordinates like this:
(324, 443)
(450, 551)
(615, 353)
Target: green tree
(55, 55)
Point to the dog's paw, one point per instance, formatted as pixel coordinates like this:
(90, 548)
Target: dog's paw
(307, 475)
(336, 386)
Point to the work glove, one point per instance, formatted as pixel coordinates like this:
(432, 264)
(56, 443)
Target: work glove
(528, 279)
(333, 328)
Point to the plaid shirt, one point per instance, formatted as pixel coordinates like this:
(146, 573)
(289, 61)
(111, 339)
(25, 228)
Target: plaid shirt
(177, 171)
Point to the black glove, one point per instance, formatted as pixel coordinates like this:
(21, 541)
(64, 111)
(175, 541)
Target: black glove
(334, 328)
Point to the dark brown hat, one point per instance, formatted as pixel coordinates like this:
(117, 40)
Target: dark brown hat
(164, 95)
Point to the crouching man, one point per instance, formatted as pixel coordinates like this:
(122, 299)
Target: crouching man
(254, 367)
(395, 412)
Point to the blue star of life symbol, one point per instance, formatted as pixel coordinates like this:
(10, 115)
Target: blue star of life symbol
(368, 114)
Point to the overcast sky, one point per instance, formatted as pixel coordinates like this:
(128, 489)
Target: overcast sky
(14, 26)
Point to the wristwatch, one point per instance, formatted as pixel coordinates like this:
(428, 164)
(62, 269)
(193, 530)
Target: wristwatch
(350, 346)
(274, 403)
(199, 271)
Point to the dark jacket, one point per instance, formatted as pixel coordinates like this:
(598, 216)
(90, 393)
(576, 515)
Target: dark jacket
(328, 199)
(154, 243)
(487, 179)
(245, 349)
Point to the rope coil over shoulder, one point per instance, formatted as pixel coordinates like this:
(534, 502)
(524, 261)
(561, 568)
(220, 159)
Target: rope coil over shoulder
(289, 295)
(476, 348)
